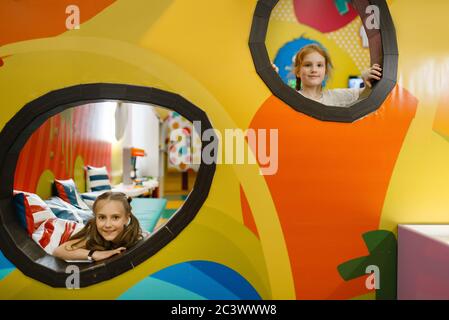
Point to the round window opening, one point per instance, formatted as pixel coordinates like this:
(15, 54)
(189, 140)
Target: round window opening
(72, 160)
(292, 40)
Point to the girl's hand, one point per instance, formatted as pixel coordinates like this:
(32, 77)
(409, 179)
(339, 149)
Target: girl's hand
(373, 73)
(101, 255)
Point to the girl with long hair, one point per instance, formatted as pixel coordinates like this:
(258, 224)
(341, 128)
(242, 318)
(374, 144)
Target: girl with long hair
(112, 230)
(312, 65)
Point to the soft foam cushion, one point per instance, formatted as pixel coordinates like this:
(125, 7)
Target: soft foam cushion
(31, 210)
(67, 191)
(65, 210)
(54, 232)
(97, 179)
(148, 211)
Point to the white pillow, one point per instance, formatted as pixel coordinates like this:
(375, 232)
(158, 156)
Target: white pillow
(97, 179)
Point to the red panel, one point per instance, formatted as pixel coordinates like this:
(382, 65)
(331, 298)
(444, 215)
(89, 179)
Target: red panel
(322, 15)
(248, 218)
(330, 187)
(58, 142)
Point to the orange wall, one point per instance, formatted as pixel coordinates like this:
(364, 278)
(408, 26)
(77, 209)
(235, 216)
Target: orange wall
(41, 18)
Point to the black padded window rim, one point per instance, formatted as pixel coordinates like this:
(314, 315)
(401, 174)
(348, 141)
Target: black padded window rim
(385, 52)
(15, 243)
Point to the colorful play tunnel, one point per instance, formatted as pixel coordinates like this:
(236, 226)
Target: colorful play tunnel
(112, 87)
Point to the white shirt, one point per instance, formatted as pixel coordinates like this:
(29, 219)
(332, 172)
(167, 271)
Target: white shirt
(339, 97)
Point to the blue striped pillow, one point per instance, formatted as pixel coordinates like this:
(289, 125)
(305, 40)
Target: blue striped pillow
(66, 211)
(97, 179)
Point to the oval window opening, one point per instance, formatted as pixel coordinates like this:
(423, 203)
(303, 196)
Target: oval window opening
(117, 143)
(322, 58)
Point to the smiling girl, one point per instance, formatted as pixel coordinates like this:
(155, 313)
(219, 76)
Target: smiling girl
(313, 64)
(112, 230)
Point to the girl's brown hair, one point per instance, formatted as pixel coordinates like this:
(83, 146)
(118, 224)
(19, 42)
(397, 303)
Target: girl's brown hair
(130, 235)
(300, 57)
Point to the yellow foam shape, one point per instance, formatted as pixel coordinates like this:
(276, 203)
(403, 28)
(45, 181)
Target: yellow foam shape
(419, 183)
(159, 62)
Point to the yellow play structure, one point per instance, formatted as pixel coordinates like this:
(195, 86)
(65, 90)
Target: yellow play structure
(340, 189)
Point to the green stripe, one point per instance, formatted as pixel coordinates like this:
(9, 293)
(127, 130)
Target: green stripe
(168, 213)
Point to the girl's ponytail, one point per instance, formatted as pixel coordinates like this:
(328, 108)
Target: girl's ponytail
(298, 83)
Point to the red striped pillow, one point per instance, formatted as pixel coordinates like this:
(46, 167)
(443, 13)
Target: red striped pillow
(54, 232)
(31, 210)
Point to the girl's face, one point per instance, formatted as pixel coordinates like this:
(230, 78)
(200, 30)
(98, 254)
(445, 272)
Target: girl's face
(110, 218)
(312, 69)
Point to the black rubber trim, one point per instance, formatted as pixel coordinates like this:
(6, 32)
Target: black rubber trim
(388, 59)
(15, 243)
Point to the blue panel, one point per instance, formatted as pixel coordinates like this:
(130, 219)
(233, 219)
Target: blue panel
(185, 275)
(6, 267)
(229, 279)
(5, 272)
(5, 263)
(209, 279)
(155, 289)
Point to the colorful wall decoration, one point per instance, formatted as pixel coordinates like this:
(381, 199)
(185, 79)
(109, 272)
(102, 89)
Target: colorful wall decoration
(341, 189)
(182, 145)
(296, 23)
